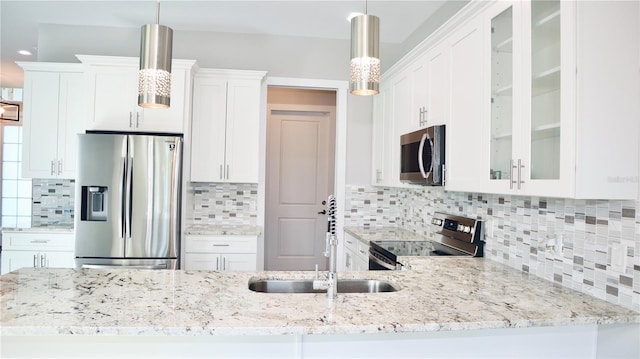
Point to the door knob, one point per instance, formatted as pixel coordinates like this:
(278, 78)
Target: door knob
(324, 211)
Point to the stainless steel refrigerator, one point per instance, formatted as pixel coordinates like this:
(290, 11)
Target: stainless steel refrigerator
(128, 200)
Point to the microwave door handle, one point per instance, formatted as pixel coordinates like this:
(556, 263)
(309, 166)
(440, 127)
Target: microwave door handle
(420, 152)
(431, 159)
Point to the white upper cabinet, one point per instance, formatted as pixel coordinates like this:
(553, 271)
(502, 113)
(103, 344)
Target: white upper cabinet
(551, 113)
(53, 115)
(225, 126)
(112, 91)
(383, 144)
(464, 143)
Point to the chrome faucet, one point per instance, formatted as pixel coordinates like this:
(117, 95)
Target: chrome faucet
(330, 283)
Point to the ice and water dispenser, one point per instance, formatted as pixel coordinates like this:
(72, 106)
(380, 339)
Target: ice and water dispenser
(95, 206)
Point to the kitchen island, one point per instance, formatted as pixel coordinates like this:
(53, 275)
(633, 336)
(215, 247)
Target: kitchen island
(485, 307)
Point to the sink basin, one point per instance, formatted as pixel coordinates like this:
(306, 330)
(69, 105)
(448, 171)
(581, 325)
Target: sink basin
(306, 286)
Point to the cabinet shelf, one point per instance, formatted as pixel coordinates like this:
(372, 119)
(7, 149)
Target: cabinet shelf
(504, 46)
(502, 136)
(503, 91)
(546, 131)
(548, 19)
(546, 81)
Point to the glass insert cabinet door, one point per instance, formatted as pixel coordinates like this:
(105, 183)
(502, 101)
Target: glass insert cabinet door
(545, 90)
(502, 61)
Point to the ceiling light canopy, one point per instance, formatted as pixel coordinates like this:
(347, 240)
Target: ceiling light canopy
(364, 68)
(154, 77)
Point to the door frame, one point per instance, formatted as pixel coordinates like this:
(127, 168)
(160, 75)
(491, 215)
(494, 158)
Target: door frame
(342, 90)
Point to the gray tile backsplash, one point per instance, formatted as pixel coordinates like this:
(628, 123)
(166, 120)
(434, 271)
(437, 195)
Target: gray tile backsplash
(52, 203)
(222, 204)
(592, 246)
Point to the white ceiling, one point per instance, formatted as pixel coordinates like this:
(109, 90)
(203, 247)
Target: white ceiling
(322, 19)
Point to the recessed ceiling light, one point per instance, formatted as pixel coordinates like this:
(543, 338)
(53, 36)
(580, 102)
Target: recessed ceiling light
(352, 15)
(25, 52)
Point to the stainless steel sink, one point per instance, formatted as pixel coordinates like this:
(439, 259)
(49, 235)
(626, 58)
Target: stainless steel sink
(306, 286)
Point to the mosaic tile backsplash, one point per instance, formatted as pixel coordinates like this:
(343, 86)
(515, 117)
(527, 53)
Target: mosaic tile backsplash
(592, 246)
(52, 203)
(222, 204)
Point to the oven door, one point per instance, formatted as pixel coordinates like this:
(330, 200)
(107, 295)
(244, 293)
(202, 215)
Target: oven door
(380, 261)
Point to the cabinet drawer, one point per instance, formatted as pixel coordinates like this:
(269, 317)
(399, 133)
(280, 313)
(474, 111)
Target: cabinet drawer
(363, 250)
(221, 244)
(351, 242)
(45, 241)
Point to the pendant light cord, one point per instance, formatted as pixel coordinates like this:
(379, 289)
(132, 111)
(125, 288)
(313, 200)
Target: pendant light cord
(158, 13)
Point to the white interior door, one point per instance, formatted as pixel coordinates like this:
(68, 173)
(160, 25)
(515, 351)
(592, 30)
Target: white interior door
(300, 176)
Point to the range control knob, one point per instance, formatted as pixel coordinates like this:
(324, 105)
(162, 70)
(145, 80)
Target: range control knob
(466, 229)
(460, 228)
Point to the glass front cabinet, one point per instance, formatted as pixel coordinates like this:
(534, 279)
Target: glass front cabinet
(528, 103)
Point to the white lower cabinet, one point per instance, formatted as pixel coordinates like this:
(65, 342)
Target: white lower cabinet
(36, 250)
(221, 253)
(356, 254)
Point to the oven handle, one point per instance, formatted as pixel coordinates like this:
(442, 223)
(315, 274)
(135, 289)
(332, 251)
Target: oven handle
(380, 262)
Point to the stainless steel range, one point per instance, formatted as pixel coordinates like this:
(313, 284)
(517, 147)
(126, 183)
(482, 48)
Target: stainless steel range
(452, 236)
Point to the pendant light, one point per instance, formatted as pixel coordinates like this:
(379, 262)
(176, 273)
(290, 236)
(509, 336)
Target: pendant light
(154, 77)
(364, 68)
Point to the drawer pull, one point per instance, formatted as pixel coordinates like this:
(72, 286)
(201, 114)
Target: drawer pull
(39, 241)
(221, 245)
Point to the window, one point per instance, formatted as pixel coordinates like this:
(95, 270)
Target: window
(16, 191)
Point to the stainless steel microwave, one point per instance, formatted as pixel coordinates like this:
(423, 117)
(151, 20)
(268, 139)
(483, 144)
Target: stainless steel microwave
(422, 156)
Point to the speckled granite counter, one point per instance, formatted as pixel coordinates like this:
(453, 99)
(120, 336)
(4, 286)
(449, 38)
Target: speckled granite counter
(460, 294)
(224, 230)
(367, 235)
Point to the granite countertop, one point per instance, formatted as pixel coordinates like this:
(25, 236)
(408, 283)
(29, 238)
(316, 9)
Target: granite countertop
(38, 229)
(440, 295)
(367, 235)
(230, 230)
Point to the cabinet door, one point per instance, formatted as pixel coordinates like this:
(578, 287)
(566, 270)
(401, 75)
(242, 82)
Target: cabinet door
(419, 94)
(57, 259)
(170, 119)
(383, 130)
(239, 262)
(201, 261)
(400, 120)
(437, 86)
(505, 115)
(114, 92)
(70, 123)
(243, 120)
(548, 148)
(13, 260)
(40, 124)
(208, 129)
(464, 162)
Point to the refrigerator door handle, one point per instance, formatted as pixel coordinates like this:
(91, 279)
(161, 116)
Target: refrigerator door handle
(129, 197)
(123, 199)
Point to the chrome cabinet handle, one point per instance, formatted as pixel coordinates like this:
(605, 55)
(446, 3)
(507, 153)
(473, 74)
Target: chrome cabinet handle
(130, 119)
(43, 241)
(42, 261)
(511, 181)
(224, 263)
(35, 263)
(227, 171)
(520, 165)
(59, 167)
(137, 119)
(221, 177)
(53, 167)
(218, 263)
(221, 245)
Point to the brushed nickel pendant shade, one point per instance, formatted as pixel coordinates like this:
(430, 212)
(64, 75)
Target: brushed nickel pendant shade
(154, 77)
(364, 69)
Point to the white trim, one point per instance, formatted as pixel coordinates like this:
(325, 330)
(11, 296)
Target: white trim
(51, 66)
(342, 90)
